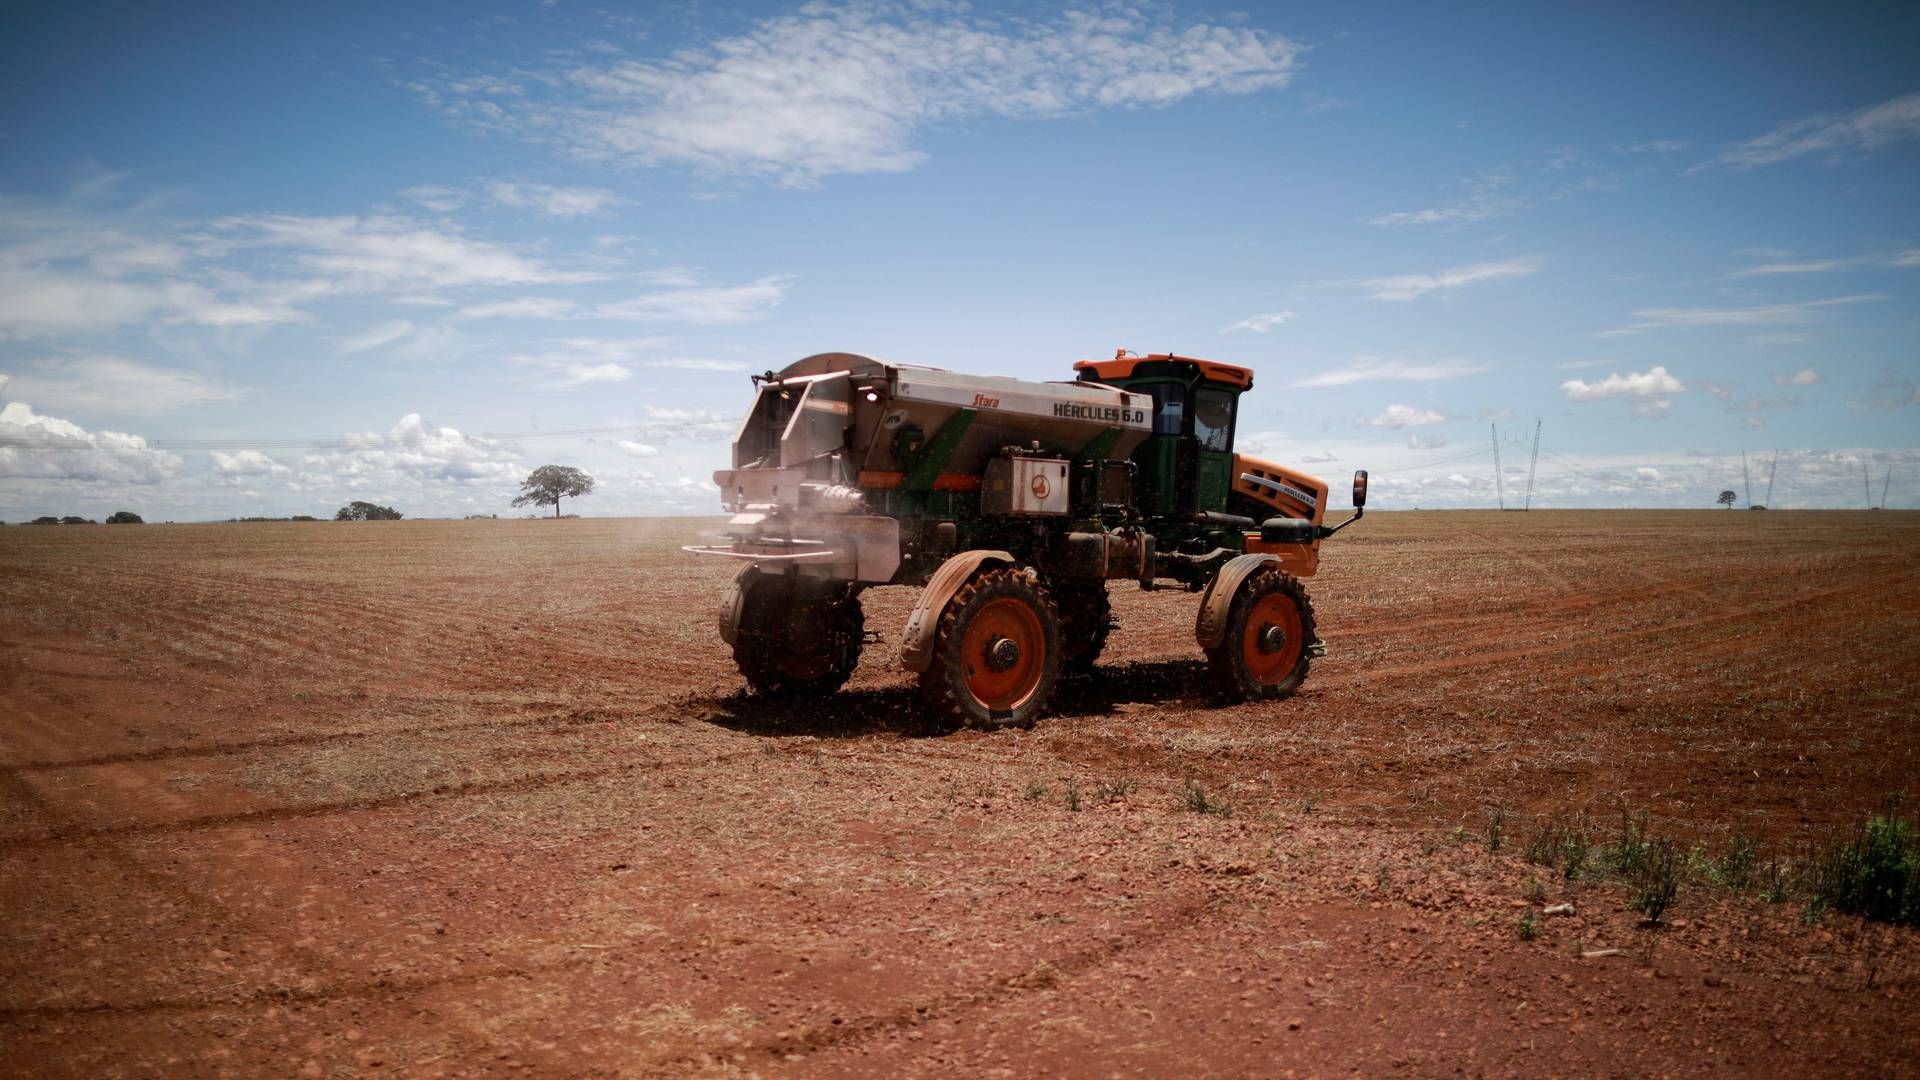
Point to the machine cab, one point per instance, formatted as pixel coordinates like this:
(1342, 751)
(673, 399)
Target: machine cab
(1186, 466)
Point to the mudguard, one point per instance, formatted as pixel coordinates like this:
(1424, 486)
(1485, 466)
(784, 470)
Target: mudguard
(1210, 626)
(916, 643)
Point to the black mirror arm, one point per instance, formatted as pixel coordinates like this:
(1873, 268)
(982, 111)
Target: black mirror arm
(1328, 530)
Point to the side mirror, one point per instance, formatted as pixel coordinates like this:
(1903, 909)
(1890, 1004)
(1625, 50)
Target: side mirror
(1359, 488)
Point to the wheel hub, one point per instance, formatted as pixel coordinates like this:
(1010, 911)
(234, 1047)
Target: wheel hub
(1272, 639)
(1002, 653)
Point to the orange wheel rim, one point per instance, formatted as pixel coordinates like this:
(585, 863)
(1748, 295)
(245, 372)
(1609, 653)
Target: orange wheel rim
(1004, 654)
(1272, 639)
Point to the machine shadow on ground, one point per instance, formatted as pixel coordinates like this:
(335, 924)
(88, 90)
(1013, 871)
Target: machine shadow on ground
(899, 710)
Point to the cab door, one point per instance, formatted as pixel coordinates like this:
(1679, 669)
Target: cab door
(1211, 425)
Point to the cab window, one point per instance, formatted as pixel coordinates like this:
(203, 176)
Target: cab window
(1169, 408)
(1213, 418)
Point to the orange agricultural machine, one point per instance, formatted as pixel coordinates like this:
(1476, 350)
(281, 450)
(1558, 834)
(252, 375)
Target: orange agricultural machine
(1014, 504)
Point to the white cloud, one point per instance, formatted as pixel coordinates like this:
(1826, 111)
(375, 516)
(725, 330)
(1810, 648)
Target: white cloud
(1401, 416)
(1413, 286)
(109, 385)
(412, 454)
(1648, 473)
(639, 449)
(1260, 324)
(1368, 368)
(706, 306)
(35, 447)
(1426, 442)
(1865, 129)
(687, 425)
(1319, 457)
(247, 463)
(846, 90)
(1647, 393)
(559, 202)
(581, 374)
(1803, 377)
(1758, 315)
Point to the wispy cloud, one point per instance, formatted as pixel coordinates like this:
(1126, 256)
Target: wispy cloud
(1488, 196)
(1787, 314)
(1803, 377)
(705, 306)
(524, 307)
(559, 202)
(1827, 266)
(1259, 324)
(846, 90)
(1402, 416)
(375, 337)
(1368, 369)
(1647, 393)
(1658, 146)
(1864, 129)
(111, 386)
(379, 253)
(1414, 286)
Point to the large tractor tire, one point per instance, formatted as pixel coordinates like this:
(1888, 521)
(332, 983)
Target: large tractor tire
(996, 653)
(1086, 618)
(1265, 653)
(798, 638)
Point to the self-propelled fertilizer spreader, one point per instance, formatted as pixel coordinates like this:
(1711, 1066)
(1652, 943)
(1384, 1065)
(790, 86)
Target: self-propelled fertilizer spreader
(1013, 503)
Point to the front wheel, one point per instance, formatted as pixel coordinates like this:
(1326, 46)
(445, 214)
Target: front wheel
(996, 654)
(798, 638)
(1265, 653)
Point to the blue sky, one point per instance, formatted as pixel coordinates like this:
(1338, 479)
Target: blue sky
(263, 263)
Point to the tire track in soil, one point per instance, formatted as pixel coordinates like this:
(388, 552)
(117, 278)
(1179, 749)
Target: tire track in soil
(1729, 613)
(273, 814)
(217, 750)
(1185, 918)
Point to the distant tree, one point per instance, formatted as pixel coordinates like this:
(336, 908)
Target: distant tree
(1727, 499)
(304, 517)
(366, 511)
(75, 519)
(125, 517)
(550, 484)
(45, 521)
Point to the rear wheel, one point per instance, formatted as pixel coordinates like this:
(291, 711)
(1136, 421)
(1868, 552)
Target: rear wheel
(798, 637)
(1086, 618)
(996, 654)
(1265, 653)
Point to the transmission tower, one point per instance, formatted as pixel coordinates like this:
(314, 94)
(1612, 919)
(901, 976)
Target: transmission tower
(1745, 479)
(1535, 464)
(1770, 469)
(1886, 480)
(1499, 479)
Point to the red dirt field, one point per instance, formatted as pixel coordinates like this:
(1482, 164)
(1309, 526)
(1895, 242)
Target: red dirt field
(485, 798)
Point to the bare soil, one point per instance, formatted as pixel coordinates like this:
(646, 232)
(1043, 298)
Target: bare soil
(478, 798)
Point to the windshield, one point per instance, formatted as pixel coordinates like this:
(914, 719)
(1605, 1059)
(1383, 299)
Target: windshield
(1213, 418)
